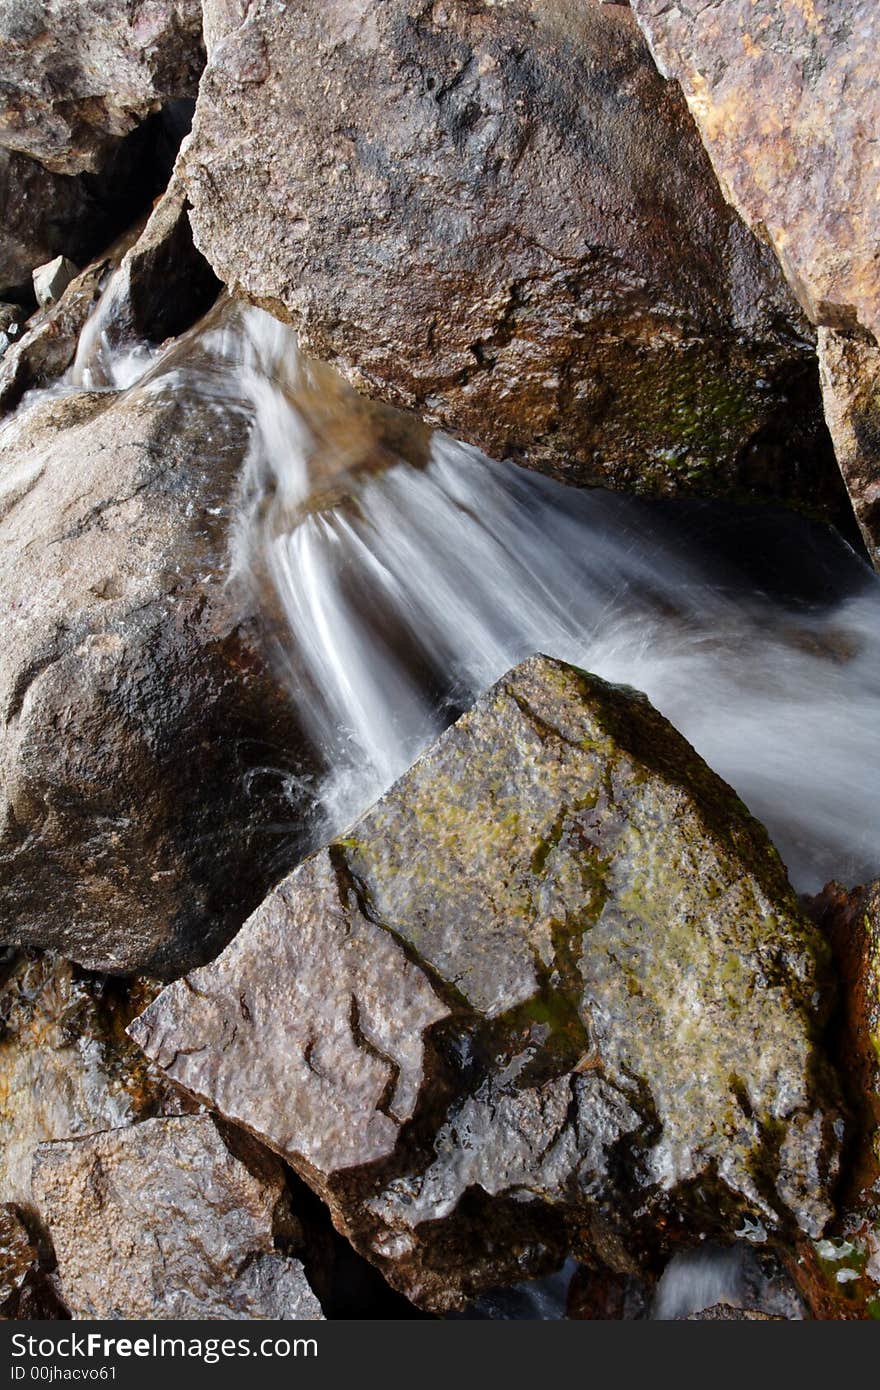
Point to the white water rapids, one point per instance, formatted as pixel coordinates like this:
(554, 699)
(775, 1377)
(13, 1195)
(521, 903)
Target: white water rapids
(404, 577)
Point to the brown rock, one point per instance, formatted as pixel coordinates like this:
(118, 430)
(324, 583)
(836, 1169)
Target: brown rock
(501, 217)
(849, 366)
(171, 1219)
(135, 695)
(552, 993)
(79, 75)
(786, 99)
(26, 1290)
(66, 1065)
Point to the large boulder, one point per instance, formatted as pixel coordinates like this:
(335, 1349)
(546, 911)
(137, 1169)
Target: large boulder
(502, 217)
(136, 700)
(552, 993)
(786, 99)
(77, 76)
(849, 365)
(172, 1219)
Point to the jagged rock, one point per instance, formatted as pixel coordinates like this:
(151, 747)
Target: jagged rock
(503, 218)
(552, 994)
(136, 700)
(79, 75)
(67, 1066)
(849, 367)
(26, 1290)
(51, 280)
(785, 95)
(171, 1218)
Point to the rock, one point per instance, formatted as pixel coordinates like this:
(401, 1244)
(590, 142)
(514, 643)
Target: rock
(725, 1312)
(79, 75)
(146, 748)
(786, 99)
(552, 994)
(503, 218)
(841, 1273)
(171, 1219)
(67, 1067)
(849, 366)
(51, 280)
(26, 1291)
(48, 345)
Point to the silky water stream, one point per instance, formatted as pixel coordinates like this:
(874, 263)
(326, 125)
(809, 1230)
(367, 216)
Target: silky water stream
(402, 572)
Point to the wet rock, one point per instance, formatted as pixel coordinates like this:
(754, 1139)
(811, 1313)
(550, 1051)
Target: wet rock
(725, 1312)
(840, 1274)
(145, 746)
(849, 366)
(786, 100)
(171, 1219)
(26, 1290)
(47, 346)
(552, 994)
(79, 75)
(163, 284)
(51, 280)
(503, 218)
(66, 1065)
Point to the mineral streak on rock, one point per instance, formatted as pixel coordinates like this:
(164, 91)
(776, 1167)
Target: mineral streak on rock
(552, 993)
(786, 98)
(171, 1219)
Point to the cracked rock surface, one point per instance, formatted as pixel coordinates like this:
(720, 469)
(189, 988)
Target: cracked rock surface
(552, 994)
(503, 218)
(171, 1219)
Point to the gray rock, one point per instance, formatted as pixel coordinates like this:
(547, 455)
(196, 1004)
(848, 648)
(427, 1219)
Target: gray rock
(79, 75)
(171, 1219)
(553, 994)
(503, 218)
(136, 700)
(51, 280)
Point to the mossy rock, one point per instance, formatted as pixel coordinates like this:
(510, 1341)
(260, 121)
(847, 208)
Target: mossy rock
(553, 992)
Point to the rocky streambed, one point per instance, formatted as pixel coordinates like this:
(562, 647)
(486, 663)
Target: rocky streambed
(440, 668)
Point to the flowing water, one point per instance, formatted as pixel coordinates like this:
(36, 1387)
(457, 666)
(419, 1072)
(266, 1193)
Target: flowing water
(402, 572)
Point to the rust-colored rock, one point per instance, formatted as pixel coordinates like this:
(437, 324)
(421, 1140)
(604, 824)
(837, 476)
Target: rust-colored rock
(849, 367)
(786, 97)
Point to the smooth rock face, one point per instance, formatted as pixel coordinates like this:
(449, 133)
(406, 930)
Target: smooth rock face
(786, 97)
(502, 217)
(78, 75)
(51, 280)
(66, 1066)
(170, 1219)
(849, 367)
(553, 993)
(135, 700)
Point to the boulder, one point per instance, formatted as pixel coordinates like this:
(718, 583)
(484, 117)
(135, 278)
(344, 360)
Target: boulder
(849, 365)
(67, 1066)
(79, 75)
(171, 1218)
(553, 994)
(41, 215)
(502, 218)
(786, 99)
(146, 748)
